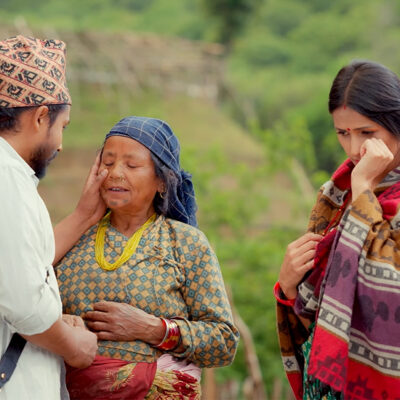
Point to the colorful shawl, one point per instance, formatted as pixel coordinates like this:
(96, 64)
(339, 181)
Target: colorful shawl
(353, 293)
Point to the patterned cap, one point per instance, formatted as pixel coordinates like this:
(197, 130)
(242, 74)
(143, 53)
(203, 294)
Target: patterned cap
(32, 72)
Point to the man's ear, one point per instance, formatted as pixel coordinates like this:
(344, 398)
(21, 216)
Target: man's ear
(39, 118)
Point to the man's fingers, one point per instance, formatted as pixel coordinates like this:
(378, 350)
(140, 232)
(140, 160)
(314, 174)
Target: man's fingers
(78, 322)
(98, 159)
(101, 176)
(96, 177)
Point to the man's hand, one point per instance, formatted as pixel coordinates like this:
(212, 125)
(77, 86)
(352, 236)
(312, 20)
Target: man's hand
(76, 345)
(73, 320)
(91, 206)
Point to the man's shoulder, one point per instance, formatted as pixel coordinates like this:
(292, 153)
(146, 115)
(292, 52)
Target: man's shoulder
(14, 178)
(11, 163)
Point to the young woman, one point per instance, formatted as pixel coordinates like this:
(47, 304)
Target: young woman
(338, 293)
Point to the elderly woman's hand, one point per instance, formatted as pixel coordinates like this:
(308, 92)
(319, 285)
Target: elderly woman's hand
(122, 322)
(299, 259)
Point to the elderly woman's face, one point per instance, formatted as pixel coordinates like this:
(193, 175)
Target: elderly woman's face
(131, 183)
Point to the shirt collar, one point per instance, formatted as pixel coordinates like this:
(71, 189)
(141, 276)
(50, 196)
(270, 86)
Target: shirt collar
(11, 152)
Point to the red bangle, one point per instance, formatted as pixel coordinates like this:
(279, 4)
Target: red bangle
(172, 335)
(277, 294)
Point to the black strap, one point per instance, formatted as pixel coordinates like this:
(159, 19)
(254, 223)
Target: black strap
(10, 358)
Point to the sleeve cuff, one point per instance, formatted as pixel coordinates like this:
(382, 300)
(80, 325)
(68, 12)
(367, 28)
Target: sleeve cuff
(43, 314)
(186, 338)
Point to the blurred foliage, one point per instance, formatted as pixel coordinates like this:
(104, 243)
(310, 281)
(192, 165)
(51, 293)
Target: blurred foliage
(283, 64)
(231, 16)
(282, 57)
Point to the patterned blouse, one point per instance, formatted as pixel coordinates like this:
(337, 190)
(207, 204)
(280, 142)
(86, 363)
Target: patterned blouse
(173, 273)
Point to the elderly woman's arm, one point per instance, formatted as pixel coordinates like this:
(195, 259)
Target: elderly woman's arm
(209, 337)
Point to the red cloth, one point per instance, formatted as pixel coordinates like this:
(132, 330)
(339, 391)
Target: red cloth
(110, 379)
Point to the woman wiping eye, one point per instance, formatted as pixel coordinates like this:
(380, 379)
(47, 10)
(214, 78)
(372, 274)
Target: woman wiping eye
(338, 288)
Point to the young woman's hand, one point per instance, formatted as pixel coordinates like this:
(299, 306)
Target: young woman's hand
(372, 167)
(299, 258)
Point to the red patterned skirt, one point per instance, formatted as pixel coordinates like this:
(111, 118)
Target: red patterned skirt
(112, 379)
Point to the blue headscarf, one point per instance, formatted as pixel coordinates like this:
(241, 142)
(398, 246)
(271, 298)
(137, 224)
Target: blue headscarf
(158, 137)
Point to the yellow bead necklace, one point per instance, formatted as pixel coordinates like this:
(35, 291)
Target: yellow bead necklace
(129, 249)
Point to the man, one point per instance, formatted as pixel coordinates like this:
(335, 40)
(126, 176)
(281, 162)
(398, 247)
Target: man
(34, 110)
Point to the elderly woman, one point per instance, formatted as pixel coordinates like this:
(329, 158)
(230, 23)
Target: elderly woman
(339, 287)
(145, 278)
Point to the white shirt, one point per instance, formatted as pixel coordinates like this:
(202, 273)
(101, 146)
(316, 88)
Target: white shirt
(29, 297)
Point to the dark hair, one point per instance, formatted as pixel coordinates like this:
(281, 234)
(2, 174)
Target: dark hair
(9, 116)
(162, 204)
(372, 90)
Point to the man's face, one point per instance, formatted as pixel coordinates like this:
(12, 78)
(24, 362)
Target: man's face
(46, 151)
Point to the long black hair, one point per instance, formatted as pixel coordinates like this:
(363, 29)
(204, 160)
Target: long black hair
(372, 90)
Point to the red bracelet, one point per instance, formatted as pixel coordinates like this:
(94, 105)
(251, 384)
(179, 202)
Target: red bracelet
(172, 335)
(277, 294)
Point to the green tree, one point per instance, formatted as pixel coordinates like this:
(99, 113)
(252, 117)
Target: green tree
(230, 16)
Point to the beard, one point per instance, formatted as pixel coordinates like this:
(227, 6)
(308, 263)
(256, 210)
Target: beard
(40, 160)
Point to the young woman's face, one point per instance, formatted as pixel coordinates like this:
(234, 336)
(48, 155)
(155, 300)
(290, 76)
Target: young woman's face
(354, 128)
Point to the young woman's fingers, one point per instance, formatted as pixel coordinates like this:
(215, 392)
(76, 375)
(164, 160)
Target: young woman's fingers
(304, 259)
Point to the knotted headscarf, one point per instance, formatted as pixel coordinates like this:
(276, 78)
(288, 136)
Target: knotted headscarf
(158, 137)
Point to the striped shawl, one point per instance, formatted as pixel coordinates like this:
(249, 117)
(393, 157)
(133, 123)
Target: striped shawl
(353, 294)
